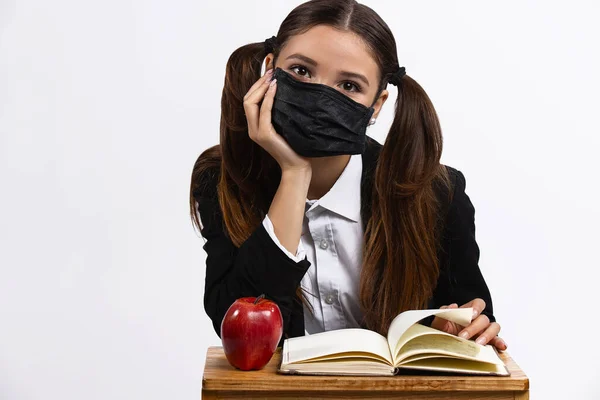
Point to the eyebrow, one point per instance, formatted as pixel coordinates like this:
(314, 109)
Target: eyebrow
(346, 74)
(355, 76)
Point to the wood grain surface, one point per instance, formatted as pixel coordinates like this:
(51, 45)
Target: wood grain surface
(222, 381)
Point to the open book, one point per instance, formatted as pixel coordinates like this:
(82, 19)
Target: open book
(409, 344)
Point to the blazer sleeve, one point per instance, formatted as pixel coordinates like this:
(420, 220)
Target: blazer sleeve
(460, 278)
(257, 267)
(300, 252)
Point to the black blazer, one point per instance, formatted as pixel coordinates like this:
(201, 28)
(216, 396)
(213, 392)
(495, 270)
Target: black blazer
(259, 266)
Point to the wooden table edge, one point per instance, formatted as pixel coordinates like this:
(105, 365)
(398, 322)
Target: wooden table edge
(261, 380)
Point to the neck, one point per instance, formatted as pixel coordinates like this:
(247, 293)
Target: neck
(325, 172)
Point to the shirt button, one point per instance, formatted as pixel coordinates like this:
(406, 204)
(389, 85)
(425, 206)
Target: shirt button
(329, 299)
(323, 244)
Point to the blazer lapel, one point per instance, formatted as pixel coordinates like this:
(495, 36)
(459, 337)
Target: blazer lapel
(369, 158)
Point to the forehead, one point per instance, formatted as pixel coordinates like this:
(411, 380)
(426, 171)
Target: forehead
(333, 50)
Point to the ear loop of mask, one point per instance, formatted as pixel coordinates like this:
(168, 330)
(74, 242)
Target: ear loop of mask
(381, 90)
(377, 97)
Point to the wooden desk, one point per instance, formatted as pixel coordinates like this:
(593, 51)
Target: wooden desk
(222, 381)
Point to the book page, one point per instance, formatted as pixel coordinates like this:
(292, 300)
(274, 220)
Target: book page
(411, 333)
(445, 344)
(405, 320)
(357, 367)
(456, 365)
(350, 342)
(451, 345)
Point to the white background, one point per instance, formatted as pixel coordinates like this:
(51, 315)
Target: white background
(104, 107)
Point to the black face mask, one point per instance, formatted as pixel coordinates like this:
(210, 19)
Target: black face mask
(317, 120)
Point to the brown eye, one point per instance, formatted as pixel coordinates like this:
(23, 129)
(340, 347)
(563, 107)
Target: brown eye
(301, 71)
(350, 87)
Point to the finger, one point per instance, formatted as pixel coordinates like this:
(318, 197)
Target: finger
(256, 96)
(440, 323)
(267, 105)
(258, 83)
(251, 101)
(479, 324)
(478, 306)
(498, 343)
(453, 305)
(488, 334)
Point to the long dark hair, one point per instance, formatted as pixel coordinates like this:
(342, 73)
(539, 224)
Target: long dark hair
(402, 238)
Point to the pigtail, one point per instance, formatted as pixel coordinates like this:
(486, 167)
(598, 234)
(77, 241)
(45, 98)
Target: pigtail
(400, 264)
(241, 156)
(249, 176)
(244, 165)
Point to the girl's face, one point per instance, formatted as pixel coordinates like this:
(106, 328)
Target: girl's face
(334, 58)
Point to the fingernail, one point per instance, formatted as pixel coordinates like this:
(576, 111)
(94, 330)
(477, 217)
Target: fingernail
(475, 312)
(480, 340)
(269, 75)
(503, 344)
(464, 334)
(272, 83)
(269, 72)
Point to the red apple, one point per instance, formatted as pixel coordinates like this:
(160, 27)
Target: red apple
(250, 332)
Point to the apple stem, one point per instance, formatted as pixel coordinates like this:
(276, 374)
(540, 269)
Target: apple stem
(259, 298)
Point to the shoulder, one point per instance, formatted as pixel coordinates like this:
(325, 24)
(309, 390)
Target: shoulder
(448, 181)
(206, 174)
(457, 179)
(452, 193)
(204, 198)
(458, 184)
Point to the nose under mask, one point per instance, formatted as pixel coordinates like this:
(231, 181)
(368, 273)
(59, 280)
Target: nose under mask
(318, 120)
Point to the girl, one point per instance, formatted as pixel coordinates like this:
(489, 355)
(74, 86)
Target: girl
(299, 204)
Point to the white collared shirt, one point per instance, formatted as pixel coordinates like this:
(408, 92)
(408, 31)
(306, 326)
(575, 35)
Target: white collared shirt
(332, 240)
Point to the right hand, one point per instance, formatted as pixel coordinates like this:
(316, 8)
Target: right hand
(480, 327)
(261, 130)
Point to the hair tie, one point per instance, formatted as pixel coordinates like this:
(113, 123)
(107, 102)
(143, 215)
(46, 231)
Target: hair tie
(270, 44)
(397, 76)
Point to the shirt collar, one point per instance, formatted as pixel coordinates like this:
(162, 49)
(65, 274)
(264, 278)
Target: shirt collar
(344, 196)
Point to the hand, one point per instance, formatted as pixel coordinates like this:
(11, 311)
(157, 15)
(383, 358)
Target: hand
(260, 128)
(480, 326)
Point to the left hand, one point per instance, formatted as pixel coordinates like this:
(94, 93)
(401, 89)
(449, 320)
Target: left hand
(480, 326)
